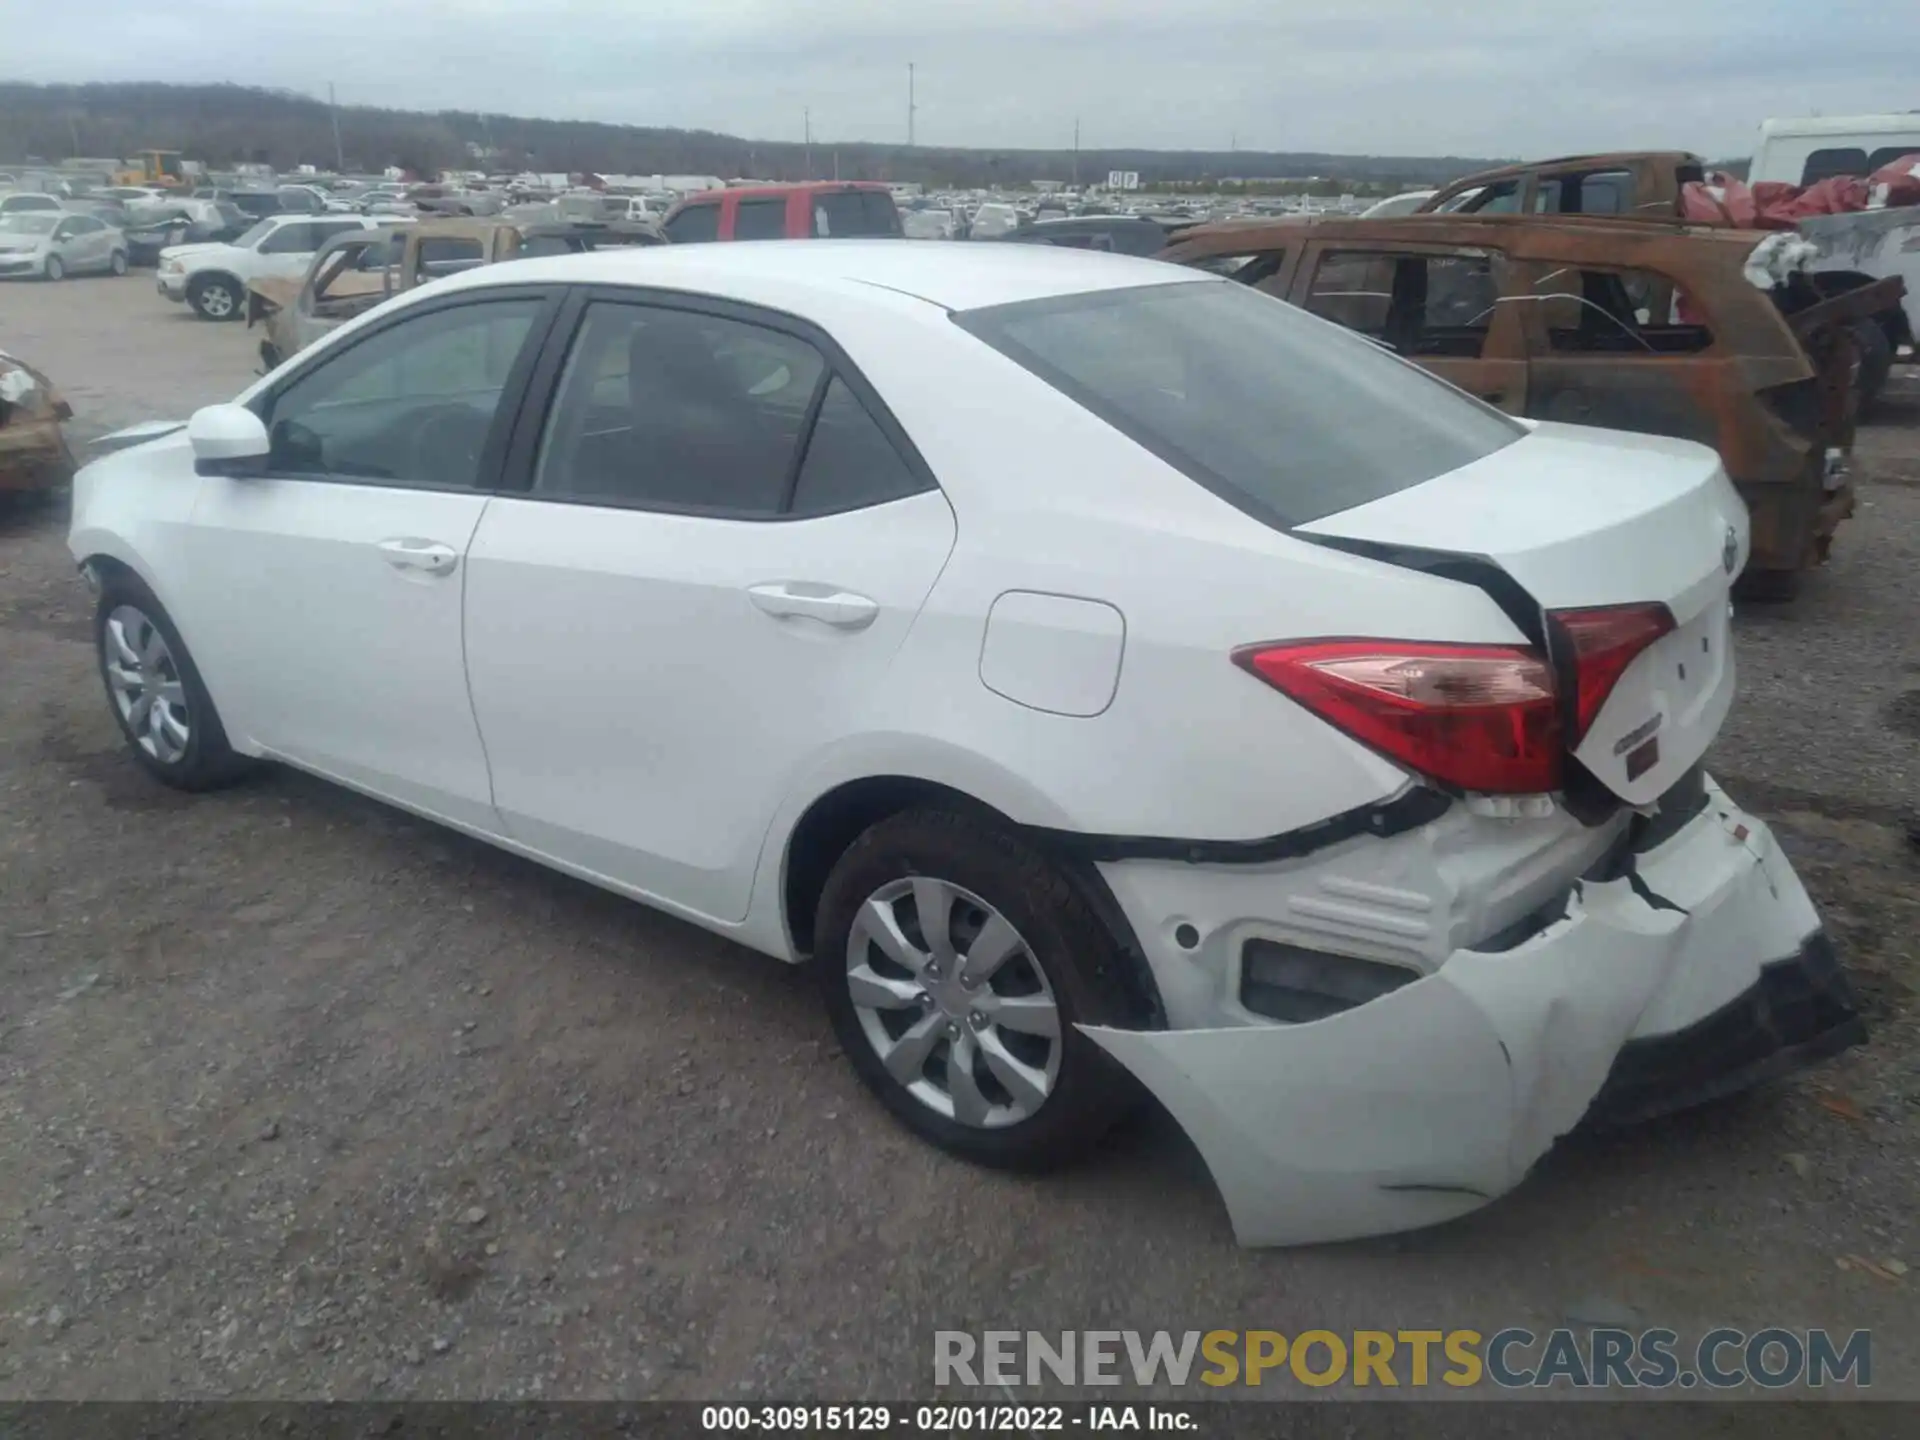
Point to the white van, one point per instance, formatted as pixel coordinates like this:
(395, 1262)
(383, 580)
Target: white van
(1801, 152)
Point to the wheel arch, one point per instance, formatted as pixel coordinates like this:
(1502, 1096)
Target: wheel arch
(831, 823)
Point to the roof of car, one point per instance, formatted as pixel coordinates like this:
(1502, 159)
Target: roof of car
(955, 277)
(762, 192)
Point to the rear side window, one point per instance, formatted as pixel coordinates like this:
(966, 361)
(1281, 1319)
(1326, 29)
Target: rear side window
(841, 213)
(1890, 153)
(761, 220)
(1631, 313)
(680, 410)
(1825, 164)
(1288, 419)
(850, 462)
(696, 222)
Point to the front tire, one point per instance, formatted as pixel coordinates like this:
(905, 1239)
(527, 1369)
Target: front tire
(118, 264)
(155, 693)
(956, 965)
(215, 297)
(56, 268)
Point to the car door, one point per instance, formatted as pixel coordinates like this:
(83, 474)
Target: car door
(1438, 306)
(325, 594)
(289, 249)
(723, 541)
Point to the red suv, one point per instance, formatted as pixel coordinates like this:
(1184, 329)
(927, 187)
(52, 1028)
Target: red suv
(814, 211)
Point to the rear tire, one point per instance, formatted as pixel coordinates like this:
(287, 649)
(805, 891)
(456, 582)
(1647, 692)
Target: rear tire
(215, 297)
(155, 692)
(1061, 969)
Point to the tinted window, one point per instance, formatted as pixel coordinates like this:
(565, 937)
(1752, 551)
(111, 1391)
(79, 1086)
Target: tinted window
(696, 222)
(1416, 304)
(679, 410)
(850, 462)
(412, 403)
(1825, 164)
(760, 220)
(1889, 154)
(1285, 417)
(840, 213)
(259, 204)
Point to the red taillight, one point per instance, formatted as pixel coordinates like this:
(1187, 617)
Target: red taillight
(1602, 643)
(1479, 717)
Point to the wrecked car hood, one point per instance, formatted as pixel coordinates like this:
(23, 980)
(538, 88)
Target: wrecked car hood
(33, 449)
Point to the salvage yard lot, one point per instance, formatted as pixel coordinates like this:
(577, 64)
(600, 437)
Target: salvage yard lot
(301, 1096)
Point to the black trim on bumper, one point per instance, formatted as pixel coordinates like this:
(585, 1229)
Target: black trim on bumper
(1409, 810)
(1802, 1009)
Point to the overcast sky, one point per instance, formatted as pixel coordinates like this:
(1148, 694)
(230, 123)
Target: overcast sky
(1409, 77)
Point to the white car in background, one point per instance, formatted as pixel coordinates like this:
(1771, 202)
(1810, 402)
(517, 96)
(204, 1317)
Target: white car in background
(1279, 729)
(212, 276)
(53, 244)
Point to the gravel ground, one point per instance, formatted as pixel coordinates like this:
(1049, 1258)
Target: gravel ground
(302, 1097)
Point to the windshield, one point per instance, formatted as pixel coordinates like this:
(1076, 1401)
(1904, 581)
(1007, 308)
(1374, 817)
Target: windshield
(1288, 417)
(30, 222)
(255, 233)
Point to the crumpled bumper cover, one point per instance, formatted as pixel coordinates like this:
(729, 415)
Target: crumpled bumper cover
(1700, 970)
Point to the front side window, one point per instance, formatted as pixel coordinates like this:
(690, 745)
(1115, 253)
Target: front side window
(695, 223)
(412, 404)
(1415, 304)
(679, 410)
(1288, 418)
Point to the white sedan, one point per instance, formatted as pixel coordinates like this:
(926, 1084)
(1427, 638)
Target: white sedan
(1106, 675)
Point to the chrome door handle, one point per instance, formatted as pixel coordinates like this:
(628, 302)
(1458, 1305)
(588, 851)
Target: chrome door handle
(428, 556)
(841, 609)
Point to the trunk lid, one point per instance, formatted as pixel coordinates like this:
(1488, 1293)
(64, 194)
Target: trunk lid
(1584, 519)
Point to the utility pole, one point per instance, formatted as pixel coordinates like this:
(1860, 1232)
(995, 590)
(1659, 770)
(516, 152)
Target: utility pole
(910, 106)
(1076, 152)
(807, 121)
(339, 155)
(73, 133)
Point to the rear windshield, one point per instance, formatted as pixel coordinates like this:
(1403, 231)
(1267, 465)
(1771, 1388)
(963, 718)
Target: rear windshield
(1281, 414)
(839, 213)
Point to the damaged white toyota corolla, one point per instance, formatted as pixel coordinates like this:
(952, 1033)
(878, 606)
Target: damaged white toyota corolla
(1100, 670)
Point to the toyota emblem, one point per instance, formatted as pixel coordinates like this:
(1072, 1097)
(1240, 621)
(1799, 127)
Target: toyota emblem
(1730, 550)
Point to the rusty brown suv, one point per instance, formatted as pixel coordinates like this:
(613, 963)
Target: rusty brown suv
(1631, 325)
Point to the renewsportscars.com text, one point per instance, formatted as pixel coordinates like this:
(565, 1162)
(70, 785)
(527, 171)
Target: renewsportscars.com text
(1599, 1358)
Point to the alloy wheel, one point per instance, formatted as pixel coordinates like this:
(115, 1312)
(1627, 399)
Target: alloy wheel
(216, 301)
(953, 1002)
(145, 683)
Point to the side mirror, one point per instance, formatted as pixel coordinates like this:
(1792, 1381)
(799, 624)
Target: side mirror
(228, 440)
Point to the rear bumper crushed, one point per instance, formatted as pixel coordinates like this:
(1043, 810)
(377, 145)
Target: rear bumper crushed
(1700, 970)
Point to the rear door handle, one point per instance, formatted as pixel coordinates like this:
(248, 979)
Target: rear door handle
(828, 604)
(428, 556)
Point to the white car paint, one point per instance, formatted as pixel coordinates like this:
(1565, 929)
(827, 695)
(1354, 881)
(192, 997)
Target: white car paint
(260, 256)
(655, 700)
